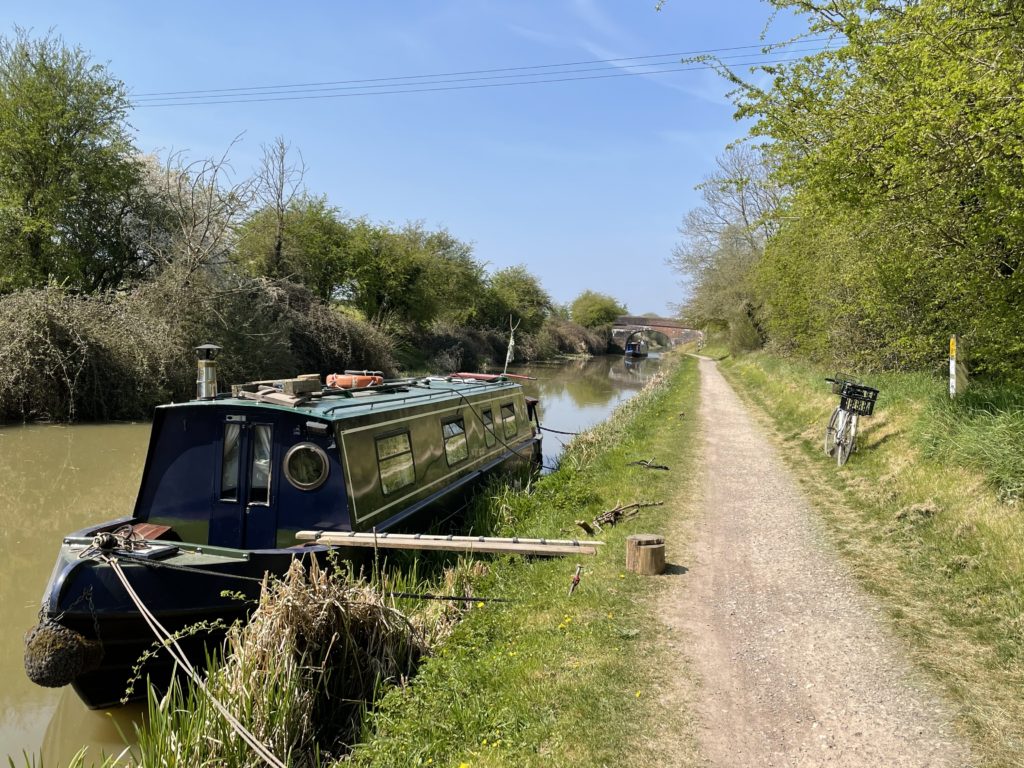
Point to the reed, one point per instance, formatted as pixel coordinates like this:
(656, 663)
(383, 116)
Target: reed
(298, 675)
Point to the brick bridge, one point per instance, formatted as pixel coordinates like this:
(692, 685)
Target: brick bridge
(627, 325)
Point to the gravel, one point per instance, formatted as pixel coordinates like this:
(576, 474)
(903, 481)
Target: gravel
(796, 664)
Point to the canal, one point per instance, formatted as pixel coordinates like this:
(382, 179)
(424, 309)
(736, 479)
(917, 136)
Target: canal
(56, 479)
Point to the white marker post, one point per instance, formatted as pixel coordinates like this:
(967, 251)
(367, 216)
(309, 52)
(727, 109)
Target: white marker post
(952, 366)
(957, 369)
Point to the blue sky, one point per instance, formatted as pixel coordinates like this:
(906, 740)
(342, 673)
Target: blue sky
(583, 182)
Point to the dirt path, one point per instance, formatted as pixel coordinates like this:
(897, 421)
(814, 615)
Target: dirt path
(795, 663)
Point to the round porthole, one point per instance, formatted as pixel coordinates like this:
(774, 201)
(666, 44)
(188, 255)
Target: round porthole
(306, 466)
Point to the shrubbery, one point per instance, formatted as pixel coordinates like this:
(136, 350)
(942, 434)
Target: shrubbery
(66, 356)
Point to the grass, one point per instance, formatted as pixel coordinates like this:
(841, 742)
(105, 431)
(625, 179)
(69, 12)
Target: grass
(553, 679)
(925, 513)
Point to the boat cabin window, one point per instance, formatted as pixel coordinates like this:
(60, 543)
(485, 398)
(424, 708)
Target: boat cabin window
(306, 466)
(456, 448)
(489, 436)
(508, 419)
(394, 460)
(229, 462)
(259, 471)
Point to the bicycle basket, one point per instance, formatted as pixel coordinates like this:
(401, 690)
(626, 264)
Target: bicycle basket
(858, 399)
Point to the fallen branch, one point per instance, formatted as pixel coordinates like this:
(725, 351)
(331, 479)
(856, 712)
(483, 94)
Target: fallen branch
(613, 516)
(647, 464)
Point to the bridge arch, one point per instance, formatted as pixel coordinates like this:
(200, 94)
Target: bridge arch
(669, 330)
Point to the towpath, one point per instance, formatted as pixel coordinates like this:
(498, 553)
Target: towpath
(795, 664)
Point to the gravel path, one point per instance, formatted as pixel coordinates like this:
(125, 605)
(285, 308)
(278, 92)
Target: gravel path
(796, 665)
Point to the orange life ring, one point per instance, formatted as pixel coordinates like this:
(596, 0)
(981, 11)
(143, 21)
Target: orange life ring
(350, 381)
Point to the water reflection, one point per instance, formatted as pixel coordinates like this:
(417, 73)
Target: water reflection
(55, 479)
(577, 395)
(103, 732)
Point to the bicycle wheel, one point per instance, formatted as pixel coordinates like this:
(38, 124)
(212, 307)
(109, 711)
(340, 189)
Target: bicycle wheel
(846, 435)
(830, 433)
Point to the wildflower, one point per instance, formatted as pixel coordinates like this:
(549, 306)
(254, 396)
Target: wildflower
(611, 615)
(638, 694)
(483, 743)
(622, 575)
(480, 604)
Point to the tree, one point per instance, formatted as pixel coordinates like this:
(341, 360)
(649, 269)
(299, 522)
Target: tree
(592, 309)
(278, 186)
(515, 292)
(901, 144)
(412, 275)
(308, 243)
(723, 239)
(73, 206)
(205, 209)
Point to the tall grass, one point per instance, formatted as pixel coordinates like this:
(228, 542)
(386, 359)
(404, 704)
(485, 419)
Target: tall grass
(298, 675)
(983, 429)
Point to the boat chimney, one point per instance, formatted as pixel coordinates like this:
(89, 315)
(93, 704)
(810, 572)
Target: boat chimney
(206, 375)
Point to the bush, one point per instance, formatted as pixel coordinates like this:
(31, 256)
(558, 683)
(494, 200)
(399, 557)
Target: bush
(67, 357)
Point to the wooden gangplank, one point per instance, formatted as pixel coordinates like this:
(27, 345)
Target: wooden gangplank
(477, 544)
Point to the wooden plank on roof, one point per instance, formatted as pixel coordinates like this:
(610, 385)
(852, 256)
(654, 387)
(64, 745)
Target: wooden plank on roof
(478, 544)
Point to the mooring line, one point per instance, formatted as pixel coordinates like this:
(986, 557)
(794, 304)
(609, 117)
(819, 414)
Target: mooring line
(559, 431)
(171, 644)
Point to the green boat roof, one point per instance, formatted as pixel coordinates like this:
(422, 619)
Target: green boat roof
(340, 404)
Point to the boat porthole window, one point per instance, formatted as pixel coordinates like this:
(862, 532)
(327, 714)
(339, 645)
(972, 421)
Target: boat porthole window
(306, 466)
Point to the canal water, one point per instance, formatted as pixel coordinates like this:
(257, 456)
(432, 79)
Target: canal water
(56, 479)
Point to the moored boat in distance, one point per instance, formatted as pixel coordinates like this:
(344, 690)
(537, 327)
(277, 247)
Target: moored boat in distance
(636, 348)
(229, 480)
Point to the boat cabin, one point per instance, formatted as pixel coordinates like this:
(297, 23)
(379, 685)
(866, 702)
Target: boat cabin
(250, 469)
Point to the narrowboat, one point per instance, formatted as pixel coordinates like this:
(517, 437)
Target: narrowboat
(636, 348)
(228, 481)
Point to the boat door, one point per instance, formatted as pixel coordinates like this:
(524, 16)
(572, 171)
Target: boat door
(244, 516)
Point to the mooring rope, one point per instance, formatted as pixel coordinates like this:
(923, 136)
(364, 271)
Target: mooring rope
(559, 432)
(171, 644)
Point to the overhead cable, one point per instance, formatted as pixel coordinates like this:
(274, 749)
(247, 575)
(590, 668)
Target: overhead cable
(484, 78)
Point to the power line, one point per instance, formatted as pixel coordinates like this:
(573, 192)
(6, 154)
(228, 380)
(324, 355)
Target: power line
(218, 97)
(443, 85)
(708, 51)
(413, 83)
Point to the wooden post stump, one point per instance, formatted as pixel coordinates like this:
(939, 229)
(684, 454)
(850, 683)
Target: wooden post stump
(645, 554)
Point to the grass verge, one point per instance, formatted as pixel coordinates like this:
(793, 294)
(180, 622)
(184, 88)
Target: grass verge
(553, 679)
(925, 513)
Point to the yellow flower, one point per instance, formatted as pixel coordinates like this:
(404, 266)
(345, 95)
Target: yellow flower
(479, 604)
(611, 615)
(622, 575)
(483, 743)
(464, 765)
(638, 694)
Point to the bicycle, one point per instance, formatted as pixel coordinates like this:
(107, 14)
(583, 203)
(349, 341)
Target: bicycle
(855, 400)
